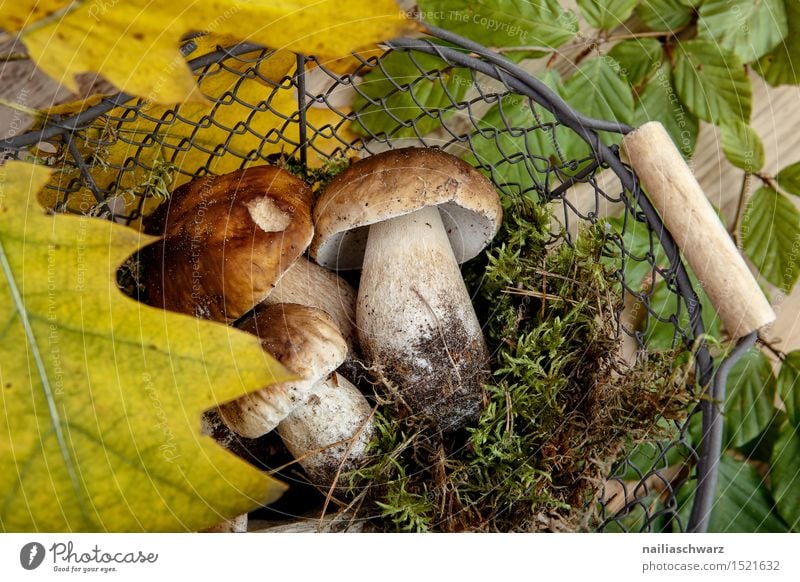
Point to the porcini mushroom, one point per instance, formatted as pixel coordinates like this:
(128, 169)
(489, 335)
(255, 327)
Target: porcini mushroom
(308, 284)
(308, 343)
(329, 433)
(227, 241)
(323, 419)
(408, 218)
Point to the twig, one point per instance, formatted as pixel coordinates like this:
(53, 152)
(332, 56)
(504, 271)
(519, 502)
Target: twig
(767, 180)
(780, 354)
(54, 16)
(647, 34)
(21, 108)
(352, 441)
(14, 57)
(734, 229)
(538, 295)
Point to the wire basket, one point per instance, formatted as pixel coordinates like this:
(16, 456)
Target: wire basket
(440, 100)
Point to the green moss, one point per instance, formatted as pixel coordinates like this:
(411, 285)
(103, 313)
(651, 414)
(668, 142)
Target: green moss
(561, 406)
(318, 178)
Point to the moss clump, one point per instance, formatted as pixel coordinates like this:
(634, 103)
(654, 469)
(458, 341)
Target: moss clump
(560, 408)
(318, 177)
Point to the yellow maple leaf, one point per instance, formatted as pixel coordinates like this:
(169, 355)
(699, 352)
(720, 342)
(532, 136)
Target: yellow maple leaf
(135, 43)
(100, 396)
(252, 113)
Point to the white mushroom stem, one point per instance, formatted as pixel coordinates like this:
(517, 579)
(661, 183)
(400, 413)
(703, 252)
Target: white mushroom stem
(329, 434)
(416, 320)
(308, 284)
(308, 343)
(261, 412)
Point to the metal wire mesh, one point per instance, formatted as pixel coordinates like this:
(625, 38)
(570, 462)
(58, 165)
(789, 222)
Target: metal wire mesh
(116, 155)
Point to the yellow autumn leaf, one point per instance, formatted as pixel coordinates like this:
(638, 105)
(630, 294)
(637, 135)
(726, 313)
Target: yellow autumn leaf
(134, 44)
(252, 113)
(100, 396)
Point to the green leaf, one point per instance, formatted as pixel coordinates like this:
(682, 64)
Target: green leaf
(639, 58)
(789, 179)
(749, 28)
(770, 235)
(135, 44)
(750, 395)
(503, 23)
(780, 66)
(666, 15)
(712, 82)
(742, 504)
(742, 146)
(102, 396)
(660, 335)
(785, 473)
(607, 14)
(658, 102)
(789, 386)
(598, 90)
(515, 143)
(384, 109)
(642, 248)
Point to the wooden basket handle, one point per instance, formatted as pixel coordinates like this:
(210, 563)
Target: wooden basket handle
(696, 228)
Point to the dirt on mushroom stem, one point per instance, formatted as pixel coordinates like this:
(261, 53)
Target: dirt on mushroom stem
(560, 408)
(448, 383)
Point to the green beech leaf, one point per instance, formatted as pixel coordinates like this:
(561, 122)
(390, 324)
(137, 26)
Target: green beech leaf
(742, 146)
(664, 15)
(651, 456)
(742, 504)
(780, 66)
(658, 101)
(423, 79)
(102, 396)
(789, 179)
(789, 386)
(639, 58)
(712, 82)
(516, 144)
(607, 14)
(750, 395)
(503, 23)
(597, 89)
(785, 473)
(509, 134)
(642, 248)
(749, 28)
(770, 235)
(660, 335)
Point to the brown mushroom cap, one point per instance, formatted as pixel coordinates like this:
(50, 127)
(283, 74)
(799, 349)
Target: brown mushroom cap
(399, 182)
(307, 342)
(227, 241)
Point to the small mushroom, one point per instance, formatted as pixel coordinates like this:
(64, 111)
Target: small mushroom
(227, 241)
(330, 432)
(323, 419)
(307, 342)
(407, 218)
